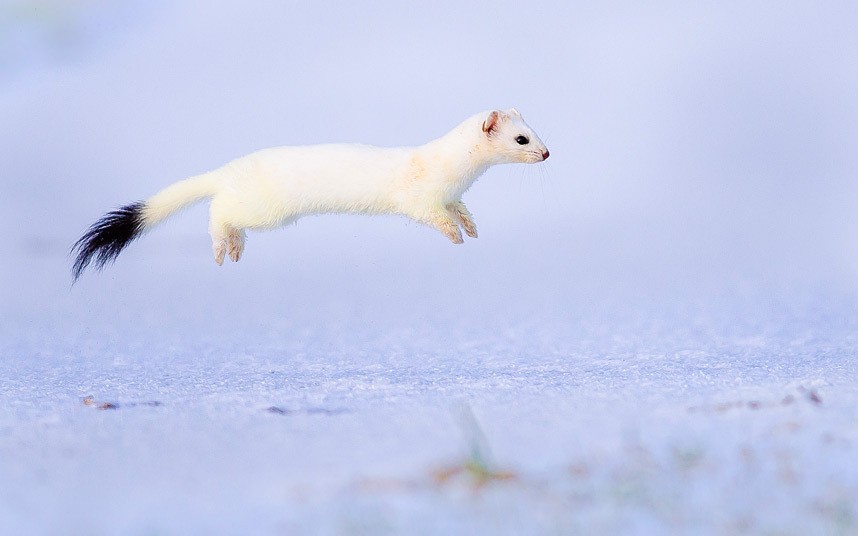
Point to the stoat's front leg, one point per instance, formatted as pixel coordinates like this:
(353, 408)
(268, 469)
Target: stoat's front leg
(461, 214)
(443, 221)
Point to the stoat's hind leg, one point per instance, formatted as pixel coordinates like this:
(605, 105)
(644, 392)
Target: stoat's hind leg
(219, 237)
(226, 238)
(235, 243)
(219, 231)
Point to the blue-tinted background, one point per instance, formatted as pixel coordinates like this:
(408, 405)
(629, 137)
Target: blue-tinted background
(687, 141)
(654, 333)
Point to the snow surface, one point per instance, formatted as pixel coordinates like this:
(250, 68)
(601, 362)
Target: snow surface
(653, 417)
(656, 332)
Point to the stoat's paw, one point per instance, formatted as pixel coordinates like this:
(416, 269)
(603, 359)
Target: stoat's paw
(235, 241)
(461, 214)
(451, 231)
(235, 253)
(456, 237)
(445, 221)
(470, 227)
(219, 253)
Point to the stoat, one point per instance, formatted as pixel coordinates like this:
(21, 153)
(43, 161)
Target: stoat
(274, 187)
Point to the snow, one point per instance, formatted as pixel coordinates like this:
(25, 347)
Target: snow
(655, 332)
(636, 419)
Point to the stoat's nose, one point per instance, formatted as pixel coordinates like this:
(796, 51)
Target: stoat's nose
(545, 154)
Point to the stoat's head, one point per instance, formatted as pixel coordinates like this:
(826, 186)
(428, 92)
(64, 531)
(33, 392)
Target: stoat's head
(511, 140)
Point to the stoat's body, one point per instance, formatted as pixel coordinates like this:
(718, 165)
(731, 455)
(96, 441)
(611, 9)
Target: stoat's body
(275, 187)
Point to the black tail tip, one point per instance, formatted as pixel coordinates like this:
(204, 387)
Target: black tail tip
(107, 237)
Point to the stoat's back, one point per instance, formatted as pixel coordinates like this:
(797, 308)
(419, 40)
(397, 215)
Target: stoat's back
(324, 178)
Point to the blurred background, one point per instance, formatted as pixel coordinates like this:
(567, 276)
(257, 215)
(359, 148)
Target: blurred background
(693, 146)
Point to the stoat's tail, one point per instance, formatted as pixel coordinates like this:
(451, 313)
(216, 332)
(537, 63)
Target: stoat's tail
(108, 236)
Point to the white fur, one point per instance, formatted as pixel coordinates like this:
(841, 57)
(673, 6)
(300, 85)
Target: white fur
(275, 187)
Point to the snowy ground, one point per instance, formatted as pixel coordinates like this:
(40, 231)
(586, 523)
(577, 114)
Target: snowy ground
(259, 410)
(656, 332)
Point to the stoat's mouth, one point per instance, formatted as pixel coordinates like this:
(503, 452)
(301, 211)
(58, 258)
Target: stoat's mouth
(534, 157)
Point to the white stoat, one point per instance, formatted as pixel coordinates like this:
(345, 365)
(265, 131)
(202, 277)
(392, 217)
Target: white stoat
(275, 187)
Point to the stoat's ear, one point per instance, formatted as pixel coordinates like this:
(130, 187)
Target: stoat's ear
(491, 122)
(513, 111)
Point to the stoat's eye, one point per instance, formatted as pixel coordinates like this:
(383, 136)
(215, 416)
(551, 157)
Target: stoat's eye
(522, 140)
